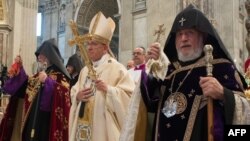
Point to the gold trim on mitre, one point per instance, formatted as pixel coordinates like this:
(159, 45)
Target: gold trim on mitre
(101, 28)
(90, 37)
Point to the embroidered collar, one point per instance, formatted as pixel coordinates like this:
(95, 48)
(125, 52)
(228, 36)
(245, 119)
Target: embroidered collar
(139, 67)
(101, 61)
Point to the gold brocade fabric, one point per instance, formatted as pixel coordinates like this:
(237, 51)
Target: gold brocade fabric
(247, 93)
(84, 125)
(141, 126)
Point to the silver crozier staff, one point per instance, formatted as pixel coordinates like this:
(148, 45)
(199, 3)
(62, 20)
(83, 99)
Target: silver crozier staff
(41, 67)
(208, 49)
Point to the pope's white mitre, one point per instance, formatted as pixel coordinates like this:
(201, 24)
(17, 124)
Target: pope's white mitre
(101, 28)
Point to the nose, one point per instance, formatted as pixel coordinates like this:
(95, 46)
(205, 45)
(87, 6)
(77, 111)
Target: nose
(39, 57)
(90, 46)
(183, 37)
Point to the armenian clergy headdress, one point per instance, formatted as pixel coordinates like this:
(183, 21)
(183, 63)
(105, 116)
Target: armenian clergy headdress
(76, 62)
(101, 29)
(192, 17)
(51, 51)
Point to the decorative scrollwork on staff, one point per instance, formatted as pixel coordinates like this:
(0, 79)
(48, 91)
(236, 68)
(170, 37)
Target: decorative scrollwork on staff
(160, 31)
(80, 40)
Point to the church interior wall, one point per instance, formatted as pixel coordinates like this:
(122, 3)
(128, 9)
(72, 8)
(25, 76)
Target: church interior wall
(226, 31)
(126, 32)
(139, 31)
(67, 33)
(238, 35)
(160, 13)
(50, 25)
(24, 31)
(5, 29)
(231, 29)
(17, 32)
(61, 44)
(6, 26)
(136, 25)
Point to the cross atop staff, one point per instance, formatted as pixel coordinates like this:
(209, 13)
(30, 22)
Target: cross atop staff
(153, 63)
(79, 40)
(160, 31)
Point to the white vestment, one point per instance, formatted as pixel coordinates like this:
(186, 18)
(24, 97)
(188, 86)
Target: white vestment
(135, 118)
(109, 109)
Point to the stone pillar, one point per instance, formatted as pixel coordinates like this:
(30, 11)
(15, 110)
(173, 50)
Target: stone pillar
(4, 44)
(247, 24)
(25, 41)
(125, 31)
(5, 30)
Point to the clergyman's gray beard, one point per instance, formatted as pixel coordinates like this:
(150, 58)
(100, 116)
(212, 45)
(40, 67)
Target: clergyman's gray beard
(41, 66)
(196, 54)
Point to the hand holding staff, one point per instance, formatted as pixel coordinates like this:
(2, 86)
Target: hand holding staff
(34, 122)
(208, 49)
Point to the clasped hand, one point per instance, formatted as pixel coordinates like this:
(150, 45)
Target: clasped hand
(86, 93)
(154, 51)
(42, 76)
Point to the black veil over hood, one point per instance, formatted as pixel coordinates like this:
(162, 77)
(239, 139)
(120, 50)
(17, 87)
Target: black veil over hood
(51, 51)
(192, 17)
(75, 62)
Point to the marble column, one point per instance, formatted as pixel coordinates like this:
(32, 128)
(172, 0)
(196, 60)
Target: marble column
(25, 41)
(4, 33)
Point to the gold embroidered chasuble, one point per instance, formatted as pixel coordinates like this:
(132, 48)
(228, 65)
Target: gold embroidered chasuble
(103, 113)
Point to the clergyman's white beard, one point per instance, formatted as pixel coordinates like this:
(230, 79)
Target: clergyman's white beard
(193, 54)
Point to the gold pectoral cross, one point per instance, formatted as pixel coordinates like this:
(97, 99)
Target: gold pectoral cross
(160, 31)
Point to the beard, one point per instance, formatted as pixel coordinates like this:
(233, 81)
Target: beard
(41, 66)
(192, 54)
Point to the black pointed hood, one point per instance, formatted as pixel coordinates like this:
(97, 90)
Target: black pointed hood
(191, 17)
(51, 51)
(76, 62)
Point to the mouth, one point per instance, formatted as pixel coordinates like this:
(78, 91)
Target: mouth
(185, 46)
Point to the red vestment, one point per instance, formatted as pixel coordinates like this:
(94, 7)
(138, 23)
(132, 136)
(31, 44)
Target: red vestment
(59, 114)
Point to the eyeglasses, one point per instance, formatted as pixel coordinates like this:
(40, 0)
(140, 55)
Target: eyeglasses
(92, 43)
(137, 53)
